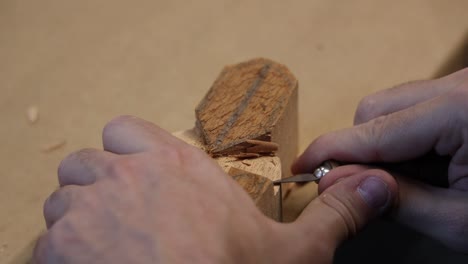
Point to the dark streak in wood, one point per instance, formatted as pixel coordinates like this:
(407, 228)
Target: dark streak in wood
(245, 102)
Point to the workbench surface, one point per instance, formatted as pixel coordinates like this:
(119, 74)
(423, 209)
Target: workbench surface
(83, 62)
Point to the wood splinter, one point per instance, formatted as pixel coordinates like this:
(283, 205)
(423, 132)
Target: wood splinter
(245, 155)
(260, 146)
(256, 149)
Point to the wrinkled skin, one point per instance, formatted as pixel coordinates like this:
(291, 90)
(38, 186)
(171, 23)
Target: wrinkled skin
(404, 124)
(150, 198)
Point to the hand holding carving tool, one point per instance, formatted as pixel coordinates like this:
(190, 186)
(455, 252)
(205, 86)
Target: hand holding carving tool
(321, 171)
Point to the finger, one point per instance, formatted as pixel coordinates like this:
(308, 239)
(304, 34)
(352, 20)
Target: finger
(58, 204)
(40, 252)
(128, 135)
(436, 212)
(344, 208)
(83, 167)
(405, 95)
(45, 250)
(399, 136)
(396, 99)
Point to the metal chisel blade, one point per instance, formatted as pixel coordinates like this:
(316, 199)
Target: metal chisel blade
(306, 177)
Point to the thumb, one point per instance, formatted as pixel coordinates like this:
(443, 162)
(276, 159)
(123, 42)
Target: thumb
(345, 207)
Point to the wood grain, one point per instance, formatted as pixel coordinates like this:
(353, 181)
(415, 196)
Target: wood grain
(246, 102)
(260, 189)
(266, 167)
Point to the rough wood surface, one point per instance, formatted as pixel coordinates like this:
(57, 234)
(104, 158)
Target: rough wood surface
(246, 102)
(260, 189)
(266, 167)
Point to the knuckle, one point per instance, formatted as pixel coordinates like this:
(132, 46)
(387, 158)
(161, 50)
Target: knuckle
(459, 98)
(121, 168)
(58, 202)
(184, 153)
(375, 133)
(41, 249)
(319, 149)
(57, 249)
(320, 142)
(180, 155)
(64, 164)
(456, 104)
(90, 204)
(73, 160)
(128, 168)
(56, 241)
(117, 122)
(49, 204)
(367, 109)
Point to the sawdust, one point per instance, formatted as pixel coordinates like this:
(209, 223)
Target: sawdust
(32, 113)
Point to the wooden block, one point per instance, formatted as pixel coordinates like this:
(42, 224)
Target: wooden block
(248, 123)
(254, 100)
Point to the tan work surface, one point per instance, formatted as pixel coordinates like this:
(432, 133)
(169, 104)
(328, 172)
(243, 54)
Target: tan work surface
(84, 62)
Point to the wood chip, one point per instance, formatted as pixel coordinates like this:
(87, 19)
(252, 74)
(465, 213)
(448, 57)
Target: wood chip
(246, 155)
(32, 114)
(54, 146)
(245, 162)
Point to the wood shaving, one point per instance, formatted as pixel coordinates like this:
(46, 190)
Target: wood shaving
(32, 114)
(246, 155)
(245, 162)
(54, 146)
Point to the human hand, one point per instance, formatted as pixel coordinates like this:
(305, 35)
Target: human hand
(151, 198)
(404, 124)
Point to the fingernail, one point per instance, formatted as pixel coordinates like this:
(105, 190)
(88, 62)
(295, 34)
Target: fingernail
(375, 192)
